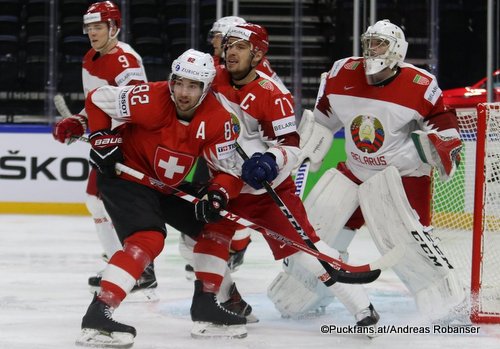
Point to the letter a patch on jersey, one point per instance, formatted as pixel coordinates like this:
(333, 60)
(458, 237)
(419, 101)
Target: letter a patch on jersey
(172, 167)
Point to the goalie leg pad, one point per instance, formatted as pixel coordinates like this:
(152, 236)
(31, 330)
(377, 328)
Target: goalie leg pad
(292, 298)
(391, 221)
(326, 212)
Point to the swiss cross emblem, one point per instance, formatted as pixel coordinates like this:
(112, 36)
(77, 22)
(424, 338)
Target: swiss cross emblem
(191, 59)
(172, 167)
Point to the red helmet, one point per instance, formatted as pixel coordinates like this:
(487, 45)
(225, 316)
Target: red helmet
(253, 33)
(104, 11)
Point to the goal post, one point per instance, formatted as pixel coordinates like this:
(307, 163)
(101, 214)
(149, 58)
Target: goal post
(466, 211)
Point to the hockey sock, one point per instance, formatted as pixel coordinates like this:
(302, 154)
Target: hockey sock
(125, 267)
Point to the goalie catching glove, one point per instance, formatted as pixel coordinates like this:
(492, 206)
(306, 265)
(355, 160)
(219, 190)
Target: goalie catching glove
(105, 151)
(439, 150)
(215, 200)
(69, 129)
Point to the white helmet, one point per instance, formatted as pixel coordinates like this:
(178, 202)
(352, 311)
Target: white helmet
(393, 37)
(194, 65)
(223, 24)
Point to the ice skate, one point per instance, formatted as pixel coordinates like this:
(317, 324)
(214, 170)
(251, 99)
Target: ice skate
(143, 291)
(211, 320)
(101, 331)
(368, 318)
(189, 272)
(236, 259)
(237, 305)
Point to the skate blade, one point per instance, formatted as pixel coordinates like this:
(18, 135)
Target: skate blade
(146, 295)
(205, 330)
(97, 339)
(94, 289)
(252, 319)
(190, 276)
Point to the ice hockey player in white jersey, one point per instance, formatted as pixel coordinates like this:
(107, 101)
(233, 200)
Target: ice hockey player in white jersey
(397, 130)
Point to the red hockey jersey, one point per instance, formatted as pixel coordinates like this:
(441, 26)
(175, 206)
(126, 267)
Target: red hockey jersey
(266, 120)
(159, 144)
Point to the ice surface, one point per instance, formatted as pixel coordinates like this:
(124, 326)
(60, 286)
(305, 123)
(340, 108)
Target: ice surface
(45, 262)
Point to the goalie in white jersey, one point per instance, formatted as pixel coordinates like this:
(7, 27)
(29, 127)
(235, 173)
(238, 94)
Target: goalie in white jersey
(397, 130)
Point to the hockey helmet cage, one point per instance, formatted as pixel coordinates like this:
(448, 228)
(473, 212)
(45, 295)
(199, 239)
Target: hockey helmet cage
(386, 33)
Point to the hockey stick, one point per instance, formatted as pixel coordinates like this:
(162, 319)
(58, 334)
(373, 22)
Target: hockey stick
(61, 106)
(335, 276)
(352, 272)
(301, 178)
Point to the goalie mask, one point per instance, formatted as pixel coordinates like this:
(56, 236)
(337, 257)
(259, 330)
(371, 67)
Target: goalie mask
(105, 11)
(384, 46)
(193, 65)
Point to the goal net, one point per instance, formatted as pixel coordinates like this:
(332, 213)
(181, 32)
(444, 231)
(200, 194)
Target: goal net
(466, 211)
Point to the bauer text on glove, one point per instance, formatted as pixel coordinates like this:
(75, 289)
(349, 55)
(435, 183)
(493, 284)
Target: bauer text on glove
(105, 151)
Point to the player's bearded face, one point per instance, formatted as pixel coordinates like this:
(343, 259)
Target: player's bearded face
(187, 92)
(238, 57)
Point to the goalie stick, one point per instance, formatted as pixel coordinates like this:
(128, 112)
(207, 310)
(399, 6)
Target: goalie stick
(348, 273)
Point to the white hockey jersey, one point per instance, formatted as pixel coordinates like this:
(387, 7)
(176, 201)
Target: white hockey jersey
(378, 120)
(266, 120)
(119, 67)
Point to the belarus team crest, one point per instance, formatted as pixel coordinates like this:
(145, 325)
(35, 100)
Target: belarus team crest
(172, 167)
(367, 133)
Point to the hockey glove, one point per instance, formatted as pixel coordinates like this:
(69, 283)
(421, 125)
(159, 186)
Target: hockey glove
(208, 208)
(260, 167)
(105, 152)
(439, 151)
(69, 129)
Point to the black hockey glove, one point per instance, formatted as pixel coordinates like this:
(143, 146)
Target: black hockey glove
(105, 152)
(208, 208)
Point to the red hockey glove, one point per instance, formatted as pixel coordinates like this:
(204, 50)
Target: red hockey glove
(69, 129)
(105, 152)
(439, 151)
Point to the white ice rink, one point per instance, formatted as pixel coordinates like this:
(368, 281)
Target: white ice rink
(45, 262)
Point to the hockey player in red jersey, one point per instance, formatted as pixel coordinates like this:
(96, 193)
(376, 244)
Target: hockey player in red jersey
(397, 130)
(267, 133)
(115, 63)
(167, 126)
(241, 238)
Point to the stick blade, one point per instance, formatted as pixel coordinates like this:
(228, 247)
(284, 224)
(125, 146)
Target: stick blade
(363, 277)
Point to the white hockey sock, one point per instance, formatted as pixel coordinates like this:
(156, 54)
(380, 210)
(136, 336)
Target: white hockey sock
(104, 227)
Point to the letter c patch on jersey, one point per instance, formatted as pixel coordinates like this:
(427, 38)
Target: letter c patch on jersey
(172, 167)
